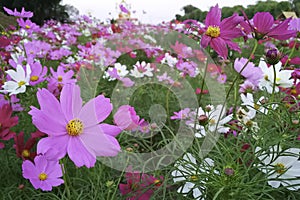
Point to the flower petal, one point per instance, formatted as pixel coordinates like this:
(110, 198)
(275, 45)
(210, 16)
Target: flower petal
(219, 45)
(97, 141)
(95, 111)
(213, 17)
(79, 154)
(29, 170)
(70, 101)
(59, 144)
(110, 129)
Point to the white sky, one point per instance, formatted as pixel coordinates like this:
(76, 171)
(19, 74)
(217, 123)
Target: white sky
(156, 10)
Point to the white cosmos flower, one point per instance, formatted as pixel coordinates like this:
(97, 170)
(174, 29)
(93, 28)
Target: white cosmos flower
(20, 79)
(216, 120)
(281, 169)
(248, 101)
(121, 69)
(141, 69)
(188, 172)
(169, 60)
(282, 77)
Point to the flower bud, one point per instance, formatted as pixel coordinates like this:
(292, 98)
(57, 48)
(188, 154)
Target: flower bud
(273, 56)
(203, 119)
(229, 171)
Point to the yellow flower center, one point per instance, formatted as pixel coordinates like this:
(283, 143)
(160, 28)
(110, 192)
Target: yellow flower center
(256, 106)
(212, 121)
(27, 26)
(59, 78)
(43, 176)
(34, 78)
(21, 83)
(266, 77)
(213, 31)
(280, 168)
(74, 127)
(157, 182)
(293, 91)
(194, 178)
(249, 123)
(25, 153)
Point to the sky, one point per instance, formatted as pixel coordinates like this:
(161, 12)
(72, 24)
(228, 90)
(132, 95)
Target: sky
(147, 11)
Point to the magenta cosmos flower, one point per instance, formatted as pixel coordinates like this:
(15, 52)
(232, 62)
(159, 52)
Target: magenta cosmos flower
(218, 34)
(74, 129)
(263, 24)
(140, 186)
(43, 174)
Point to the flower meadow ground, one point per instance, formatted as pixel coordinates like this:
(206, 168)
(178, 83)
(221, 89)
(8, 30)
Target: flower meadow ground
(181, 110)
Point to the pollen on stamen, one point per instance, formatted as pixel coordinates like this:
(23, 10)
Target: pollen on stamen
(43, 176)
(213, 31)
(280, 168)
(21, 83)
(34, 78)
(74, 127)
(25, 153)
(59, 78)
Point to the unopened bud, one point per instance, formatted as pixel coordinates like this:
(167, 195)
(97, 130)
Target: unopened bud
(273, 56)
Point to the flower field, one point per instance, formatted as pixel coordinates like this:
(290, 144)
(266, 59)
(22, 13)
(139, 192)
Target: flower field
(181, 110)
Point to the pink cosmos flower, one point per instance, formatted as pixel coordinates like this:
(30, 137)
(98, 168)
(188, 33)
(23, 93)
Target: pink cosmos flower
(59, 79)
(219, 33)
(23, 13)
(222, 78)
(263, 25)
(28, 25)
(73, 129)
(249, 71)
(42, 173)
(182, 50)
(38, 73)
(182, 114)
(127, 119)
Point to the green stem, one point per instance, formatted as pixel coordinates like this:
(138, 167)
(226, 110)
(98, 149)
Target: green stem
(274, 84)
(200, 97)
(66, 183)
(290, 55)
(235, 80)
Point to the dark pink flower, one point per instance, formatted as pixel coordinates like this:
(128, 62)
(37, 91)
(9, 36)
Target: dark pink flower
(23, 13)
(6, 122)
(43, 174)
(219, 34)
(264, 25)
(140, 186)
(24, 151)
